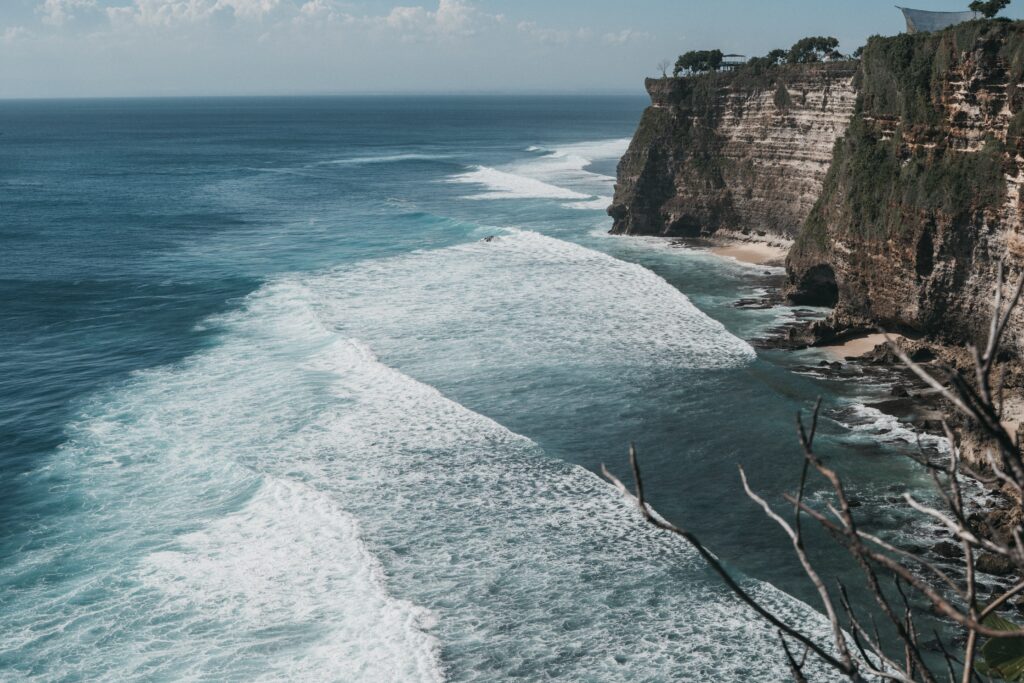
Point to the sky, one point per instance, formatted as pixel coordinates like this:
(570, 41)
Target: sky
(112, 48)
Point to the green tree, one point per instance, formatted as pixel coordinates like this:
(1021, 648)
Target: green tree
(814, 49)
(761, 65)
(989, 8)
(698, 61)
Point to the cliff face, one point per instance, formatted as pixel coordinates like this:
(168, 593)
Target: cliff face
(737, 151)
(923, 198)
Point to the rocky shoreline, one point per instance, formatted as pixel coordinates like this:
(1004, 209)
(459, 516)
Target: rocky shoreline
(861, 354)
(891, 188)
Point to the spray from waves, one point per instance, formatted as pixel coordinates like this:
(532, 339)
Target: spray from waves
(557, 173)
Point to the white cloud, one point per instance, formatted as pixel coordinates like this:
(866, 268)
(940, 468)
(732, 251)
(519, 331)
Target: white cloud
(452, 17)
(165, 13)
(406, 18)
(625, 36)
(13, 34)
(323, 11)
(162, 12)
(60, 12)
(448, 17)
(552, 36)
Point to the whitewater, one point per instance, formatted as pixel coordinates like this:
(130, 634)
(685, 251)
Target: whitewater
(334, 406)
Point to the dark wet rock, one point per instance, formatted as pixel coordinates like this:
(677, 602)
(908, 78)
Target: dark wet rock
(996, 565)
(896, 406)
(948, 550)
(922, 354)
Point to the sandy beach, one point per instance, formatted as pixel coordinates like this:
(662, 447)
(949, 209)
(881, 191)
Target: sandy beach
(757, 253)
(857, 346)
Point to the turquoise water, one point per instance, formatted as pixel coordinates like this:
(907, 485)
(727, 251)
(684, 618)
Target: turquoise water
(273, 407)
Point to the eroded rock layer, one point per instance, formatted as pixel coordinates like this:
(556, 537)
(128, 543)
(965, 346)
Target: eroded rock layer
(734, 151)
(923, 198)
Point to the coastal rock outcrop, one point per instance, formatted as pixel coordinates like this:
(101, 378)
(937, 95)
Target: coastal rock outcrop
(923, 197)
(739, 151)
(899, 175)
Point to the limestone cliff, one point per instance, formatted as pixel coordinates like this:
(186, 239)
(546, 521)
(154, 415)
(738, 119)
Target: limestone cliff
(923, 198)
(738, 151)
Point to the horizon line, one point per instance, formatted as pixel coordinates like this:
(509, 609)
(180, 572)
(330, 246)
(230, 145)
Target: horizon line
(616, 92)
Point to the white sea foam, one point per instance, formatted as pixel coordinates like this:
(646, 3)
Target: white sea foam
(222, 496)
(600, 203)
(566, 165)
(524, 299)
(202, 564)
(596, 150)
(888, 428)
(558, 173)
(506, 185)
(291, 557)
(383, 159)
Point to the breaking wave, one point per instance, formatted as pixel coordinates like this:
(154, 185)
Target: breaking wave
(284, 506)
(384, 159)
(506, 185)
(523, 299)
(557, 173)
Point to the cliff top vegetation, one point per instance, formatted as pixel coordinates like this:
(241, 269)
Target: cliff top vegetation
(810, 50)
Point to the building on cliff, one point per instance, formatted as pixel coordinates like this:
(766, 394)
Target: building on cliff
(732, 62)
(924, 21)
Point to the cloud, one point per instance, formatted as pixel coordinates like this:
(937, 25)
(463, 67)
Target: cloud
(323, 11)
(625, 36)
(61, 12)
(446, 18)
(452, 17)
(552, 36)
(13, 34)
(166, 13)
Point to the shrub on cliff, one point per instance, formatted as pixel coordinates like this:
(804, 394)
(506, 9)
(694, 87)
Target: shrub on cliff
(698, 61)
(759, 65)
(989, 8)
(814, 49)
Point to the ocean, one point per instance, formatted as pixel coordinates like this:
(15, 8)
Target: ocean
(318, 389)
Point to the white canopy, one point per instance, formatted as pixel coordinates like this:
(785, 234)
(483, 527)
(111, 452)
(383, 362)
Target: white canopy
(923, 21)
